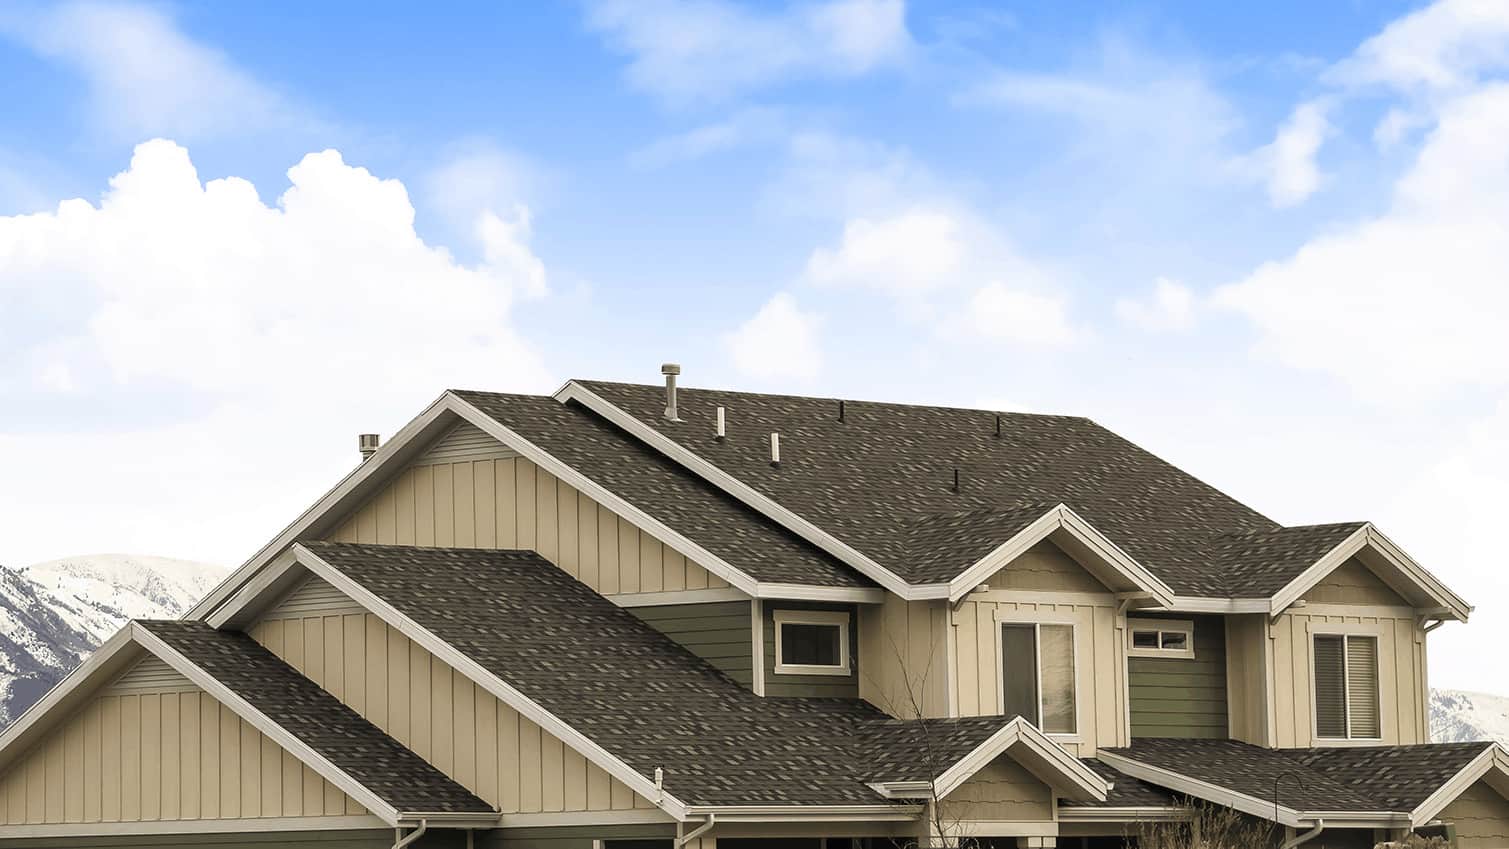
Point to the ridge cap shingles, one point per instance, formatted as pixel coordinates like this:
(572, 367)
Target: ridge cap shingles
(299, 706)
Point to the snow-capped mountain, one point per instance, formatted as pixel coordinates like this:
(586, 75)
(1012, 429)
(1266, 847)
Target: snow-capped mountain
(53, 614)
(1459, 716)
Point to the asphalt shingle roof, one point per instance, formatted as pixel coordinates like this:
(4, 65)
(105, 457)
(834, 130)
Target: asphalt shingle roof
(1126, 791)
(1364, 779)
(628, 687)
(910, 750)
(299, 706)
(882, 480)
(665, 490)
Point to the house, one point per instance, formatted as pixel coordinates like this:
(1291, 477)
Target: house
(635, 616)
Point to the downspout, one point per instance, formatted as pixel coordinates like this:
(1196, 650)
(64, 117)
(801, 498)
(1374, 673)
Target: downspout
(696, 832)
(412, 836)
(1294, 841)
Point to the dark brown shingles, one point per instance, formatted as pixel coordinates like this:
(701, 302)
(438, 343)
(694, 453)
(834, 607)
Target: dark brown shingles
(1126, 791)
(660, 487)
(298, 705)
(913, 750)
(1365, 779)
(872, 478)
(1260, 563)
(619, 682)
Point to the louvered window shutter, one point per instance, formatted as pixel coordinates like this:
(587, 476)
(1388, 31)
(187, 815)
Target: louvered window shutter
(1330, 686)
(1362, 687)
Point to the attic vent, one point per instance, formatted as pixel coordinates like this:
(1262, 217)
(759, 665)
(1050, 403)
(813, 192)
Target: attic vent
(368, 443)
(670, 370)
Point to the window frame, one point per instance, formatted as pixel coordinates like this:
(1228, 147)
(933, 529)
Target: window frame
(840, 618)
(1003, 618)
(1346, 635)
(1161, 627)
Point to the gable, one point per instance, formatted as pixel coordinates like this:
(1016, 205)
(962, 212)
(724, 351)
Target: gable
(432, 709)
(463, 443)
(1354, 583)
(151, 746)
(458, 500)
(1045, 568)
(1002, 790)
(1480, 816)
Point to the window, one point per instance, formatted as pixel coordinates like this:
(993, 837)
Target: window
(1037, 675)
(1346, 687)
(811, 642)
(1161, 638)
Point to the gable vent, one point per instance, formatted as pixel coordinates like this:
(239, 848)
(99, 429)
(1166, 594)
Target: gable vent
(152, 675)
(463, 443)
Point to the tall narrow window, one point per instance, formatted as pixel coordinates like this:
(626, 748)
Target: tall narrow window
(1038, 681)
(1346, 687)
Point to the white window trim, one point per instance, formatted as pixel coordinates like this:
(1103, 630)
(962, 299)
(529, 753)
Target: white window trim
(813, 617)
(1346, 634)
(1163, 626)
(1039, 619)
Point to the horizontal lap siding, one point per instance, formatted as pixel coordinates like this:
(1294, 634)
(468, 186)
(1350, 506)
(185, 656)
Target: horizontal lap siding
(1481, 817)
(1000, 792)
(510, 503)
(461, 729)
(1175, 697)
(719, 633)
(812, 686)
(134, 755)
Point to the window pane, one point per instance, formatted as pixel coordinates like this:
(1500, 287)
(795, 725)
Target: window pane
(1144, 639)
(1362, 686)
(1175, 640)
(1330, 688)
(1057, 654)
(810, 645)
(1019, 671)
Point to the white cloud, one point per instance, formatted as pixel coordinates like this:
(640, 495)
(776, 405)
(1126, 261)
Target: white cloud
(1000, 314)
(697, 49)
(1171, 306)
(146, 77)
(1411, 304)
(913, 253)
(1447, 45)
(778, 342)
(745, 127)
(265, 337)
(1287, 165)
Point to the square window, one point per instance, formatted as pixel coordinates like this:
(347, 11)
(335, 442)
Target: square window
(811, 642)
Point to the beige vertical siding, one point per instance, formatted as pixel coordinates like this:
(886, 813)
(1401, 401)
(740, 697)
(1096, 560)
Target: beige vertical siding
(1001, 792)
(1401, 671)
(509, 502)
(903, 656)
(482, 743)
(144, 751)
(1247, 678)
(1481, 816)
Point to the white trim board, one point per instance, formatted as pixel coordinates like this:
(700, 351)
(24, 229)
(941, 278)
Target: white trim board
(1492, 767)
(1380, 555)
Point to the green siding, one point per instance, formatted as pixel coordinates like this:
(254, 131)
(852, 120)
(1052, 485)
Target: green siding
(719, 633)
(810, 686)
(1172, 697)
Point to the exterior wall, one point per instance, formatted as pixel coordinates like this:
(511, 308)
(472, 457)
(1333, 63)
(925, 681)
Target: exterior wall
(821, 686)
(361, 839)
(1046, 585)
(1353, 583)
(572, 837)
(1179, 697)
(720, 633)
(903, 657)
(1001, 792)
(509, 502)
(1481, 816)
(153, 747)
(1247, 678)
(461, 729)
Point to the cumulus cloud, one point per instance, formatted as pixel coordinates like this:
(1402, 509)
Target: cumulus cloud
(699, 49)
(1447, 45)
(909, 254)
(1170, 306)
(1287, 165)
(781, 341)
(1001, 314)
(146, 77)
(262, 337)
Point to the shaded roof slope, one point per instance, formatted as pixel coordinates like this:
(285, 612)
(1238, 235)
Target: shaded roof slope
(299, 706)
(872, 477)
(662, 488)
(618, 681)
(1258, 564)
(1126, 791)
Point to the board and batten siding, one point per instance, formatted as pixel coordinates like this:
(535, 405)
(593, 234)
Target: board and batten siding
(719, 633)
(1101, 681)
(810, 686)
(435, 711)
(153, 747)
(903, 657)
(1182, 697)
(454, 497)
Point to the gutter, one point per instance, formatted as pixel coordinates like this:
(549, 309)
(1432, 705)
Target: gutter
(1320, 825)
(696, 832)
(424, 825)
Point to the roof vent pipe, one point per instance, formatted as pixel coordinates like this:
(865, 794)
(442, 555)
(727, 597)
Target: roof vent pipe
(368, 444)
(775, 449)
(840, 409)
(670, 370)
(998, 426)
(722, 431)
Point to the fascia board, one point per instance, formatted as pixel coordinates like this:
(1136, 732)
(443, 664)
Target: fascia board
(750, 496)
(1180, 783)
(1492, 758)
(263, 723)
(1014, 733)
(499, 688)
(1368, 536)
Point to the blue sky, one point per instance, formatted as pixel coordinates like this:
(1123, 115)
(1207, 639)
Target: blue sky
(1266, 241)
